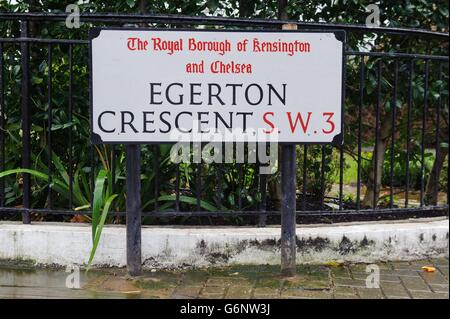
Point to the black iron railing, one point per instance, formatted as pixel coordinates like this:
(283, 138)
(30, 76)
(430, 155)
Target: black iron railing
(374, 78)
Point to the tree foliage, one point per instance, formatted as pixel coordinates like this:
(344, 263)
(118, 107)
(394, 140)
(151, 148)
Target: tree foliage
(228, 194)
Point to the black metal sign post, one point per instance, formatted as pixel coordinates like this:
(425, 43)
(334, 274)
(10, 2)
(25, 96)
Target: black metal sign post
(288, 208)
(288, 202)
(133, 203)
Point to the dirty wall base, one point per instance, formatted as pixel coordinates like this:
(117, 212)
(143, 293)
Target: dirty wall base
(62, 244)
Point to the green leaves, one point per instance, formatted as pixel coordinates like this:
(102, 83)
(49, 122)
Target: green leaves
(183, 199)
(100, 209)
(57, 185)
(98, 200)
(131, 3)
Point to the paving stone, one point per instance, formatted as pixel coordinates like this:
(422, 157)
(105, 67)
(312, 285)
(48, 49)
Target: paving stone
(405, 273)
(350, 282)
(265, 292)
(220, 281)
(344, 290)
(269, 282)
(383, 276)
(266, 297)
(443, 270)
(187, 291)
(269, 269)
(53, 293)
(417, 265)
(415, 283)
(194, 277)
(440, 262)
(340, 272)
(308, 282)
(40, 278)
(211, 296)
(439, 287)
(361, 268)
(369, 293)
(237, 292)
(434, 277)
(394, 290)
(306, 294)
(401, 265)
(344, 296)
(213, 290)
(428, 295)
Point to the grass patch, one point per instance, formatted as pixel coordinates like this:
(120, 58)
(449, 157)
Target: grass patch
(350, 169)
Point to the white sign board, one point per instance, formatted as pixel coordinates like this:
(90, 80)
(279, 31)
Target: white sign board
(225, 86)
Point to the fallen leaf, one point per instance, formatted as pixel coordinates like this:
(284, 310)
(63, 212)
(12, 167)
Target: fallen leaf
(333, 263)
(428, 269)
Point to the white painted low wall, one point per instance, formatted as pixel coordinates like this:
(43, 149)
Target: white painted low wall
(63, 244)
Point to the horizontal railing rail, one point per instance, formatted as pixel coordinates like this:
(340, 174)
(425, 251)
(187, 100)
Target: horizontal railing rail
(230, 21)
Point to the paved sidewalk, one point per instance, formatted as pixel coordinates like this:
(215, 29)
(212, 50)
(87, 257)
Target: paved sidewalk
(397, 280)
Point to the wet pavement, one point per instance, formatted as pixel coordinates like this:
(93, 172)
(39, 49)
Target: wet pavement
(396, 280)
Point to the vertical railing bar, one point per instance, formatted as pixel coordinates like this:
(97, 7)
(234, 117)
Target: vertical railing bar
(156, 156)
(91, 148)
(263, 204)
(49, 126)
(25, 114)
(377, 135)
(199, 185)
(341, 146)
(408, 129)
(305, 175)
(240, 168)
(70, 127)
(177, 187)
(322, 178)
(341, 176)
(255, 184)
(220, 170)
(92, 172)
(393, 119)
(113, 168)
(361, 103)
(438, 126)
(422, 142)
(263, 191)
(198, 189)
(2, 128)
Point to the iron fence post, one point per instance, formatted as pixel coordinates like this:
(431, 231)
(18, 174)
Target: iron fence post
(133, 204)
(2, 129)
(25, 109)
(288, 210)
(288, 202)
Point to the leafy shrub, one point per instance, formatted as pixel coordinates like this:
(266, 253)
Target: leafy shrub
(399, 173)
(314, 169)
